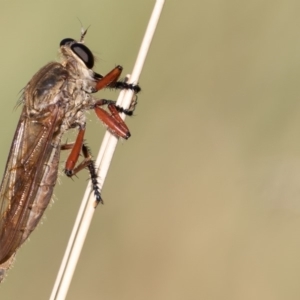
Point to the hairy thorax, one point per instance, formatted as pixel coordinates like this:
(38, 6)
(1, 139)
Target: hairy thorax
(65, 85)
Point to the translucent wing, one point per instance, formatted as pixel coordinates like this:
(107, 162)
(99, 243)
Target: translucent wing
(25, 168)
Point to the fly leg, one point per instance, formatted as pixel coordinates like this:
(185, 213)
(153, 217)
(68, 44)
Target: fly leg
(110, 80)
(112, 118)
(71, 169)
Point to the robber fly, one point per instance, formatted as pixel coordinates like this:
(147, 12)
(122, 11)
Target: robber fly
(54, 101)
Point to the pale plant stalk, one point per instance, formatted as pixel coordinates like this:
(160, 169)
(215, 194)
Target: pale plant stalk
(87, 208)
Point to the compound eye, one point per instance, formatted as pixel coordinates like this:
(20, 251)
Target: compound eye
(66, 41)
(84, 53)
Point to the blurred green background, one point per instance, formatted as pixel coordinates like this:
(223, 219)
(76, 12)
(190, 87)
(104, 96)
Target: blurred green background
(203, 202)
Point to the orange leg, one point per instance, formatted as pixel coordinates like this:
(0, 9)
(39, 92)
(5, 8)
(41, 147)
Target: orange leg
(71, 170)
(109, 79)
(113, 121)
(73, 156)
